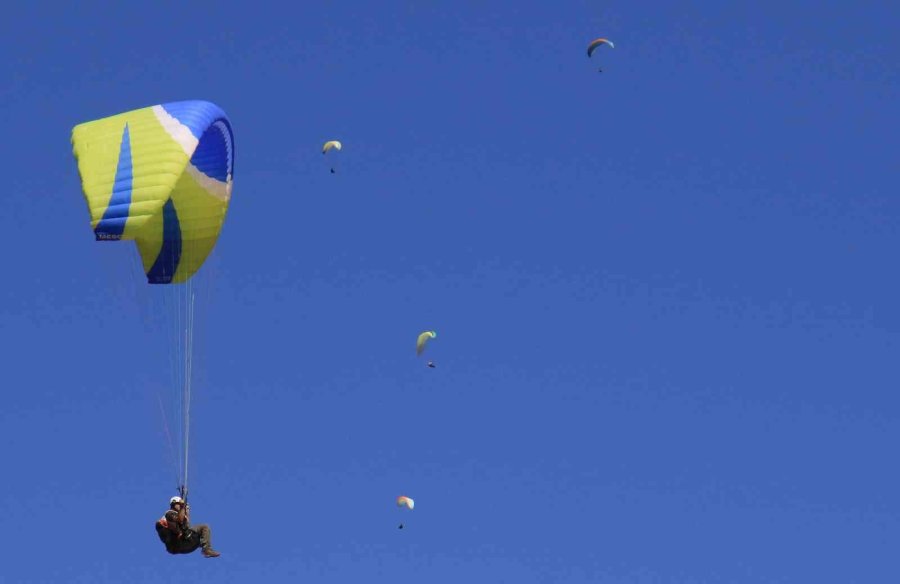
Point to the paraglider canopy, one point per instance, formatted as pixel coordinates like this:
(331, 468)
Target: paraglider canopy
(160, 176)
(423, 339)
(331, 144)
(596, 43)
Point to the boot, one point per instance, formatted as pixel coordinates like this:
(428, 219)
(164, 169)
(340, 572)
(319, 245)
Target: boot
(210, 553)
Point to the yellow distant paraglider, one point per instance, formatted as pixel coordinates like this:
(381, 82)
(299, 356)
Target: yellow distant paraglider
(328, 147)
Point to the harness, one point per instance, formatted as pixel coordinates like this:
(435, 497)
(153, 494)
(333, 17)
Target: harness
(182, 532)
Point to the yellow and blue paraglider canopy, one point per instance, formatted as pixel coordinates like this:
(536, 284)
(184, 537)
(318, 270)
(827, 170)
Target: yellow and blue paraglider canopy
(160, 176)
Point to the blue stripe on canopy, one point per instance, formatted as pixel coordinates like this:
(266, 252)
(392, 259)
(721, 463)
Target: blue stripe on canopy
(212, 156)
(112, 225)
(166, 263)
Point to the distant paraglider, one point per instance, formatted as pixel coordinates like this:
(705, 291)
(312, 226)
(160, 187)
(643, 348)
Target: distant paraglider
(422, 341)
(405, 502)
(327, 147)
(596, 43)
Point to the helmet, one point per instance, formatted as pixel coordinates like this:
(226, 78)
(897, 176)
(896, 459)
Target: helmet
(174, 500)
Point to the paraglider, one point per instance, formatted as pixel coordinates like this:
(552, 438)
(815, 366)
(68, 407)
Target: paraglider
(327, 147)
(162, 177)
(405, 502)
(596, 43)
(421, 341)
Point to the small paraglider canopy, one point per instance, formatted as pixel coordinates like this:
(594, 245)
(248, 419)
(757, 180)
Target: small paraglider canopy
(596, 43)
(331, 144)
(423, 339)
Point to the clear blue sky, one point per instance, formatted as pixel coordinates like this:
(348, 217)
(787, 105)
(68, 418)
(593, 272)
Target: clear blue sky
(665, 294)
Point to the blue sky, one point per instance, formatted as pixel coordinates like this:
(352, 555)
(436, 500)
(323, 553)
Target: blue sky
(665, 295)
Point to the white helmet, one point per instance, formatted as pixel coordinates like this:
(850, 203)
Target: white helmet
(174, 500)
